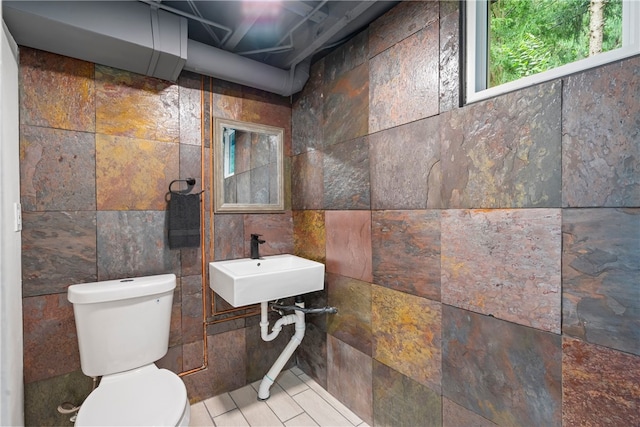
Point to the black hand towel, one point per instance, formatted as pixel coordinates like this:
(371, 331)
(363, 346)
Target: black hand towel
(184, 220)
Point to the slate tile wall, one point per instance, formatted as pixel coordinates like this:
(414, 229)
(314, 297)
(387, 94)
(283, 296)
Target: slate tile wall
(99, 147)
(493, 278)
(433, 219)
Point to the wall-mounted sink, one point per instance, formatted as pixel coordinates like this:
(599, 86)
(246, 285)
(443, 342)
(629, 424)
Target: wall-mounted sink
(249, 281)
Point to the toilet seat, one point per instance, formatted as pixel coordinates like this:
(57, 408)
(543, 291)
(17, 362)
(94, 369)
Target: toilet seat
(143, 396)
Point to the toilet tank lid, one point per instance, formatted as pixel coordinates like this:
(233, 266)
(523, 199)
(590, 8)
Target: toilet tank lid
(113, 290)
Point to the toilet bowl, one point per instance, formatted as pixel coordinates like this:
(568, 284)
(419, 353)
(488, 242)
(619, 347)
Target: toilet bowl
(123, 328)
(147, 396)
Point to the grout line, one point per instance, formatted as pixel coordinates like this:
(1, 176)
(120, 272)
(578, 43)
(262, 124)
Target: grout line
(209, 413)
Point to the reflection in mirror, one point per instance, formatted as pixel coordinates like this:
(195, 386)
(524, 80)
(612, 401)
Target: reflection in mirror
(248, 167)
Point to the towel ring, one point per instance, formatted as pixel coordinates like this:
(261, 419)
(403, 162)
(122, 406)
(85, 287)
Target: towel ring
(190, 183)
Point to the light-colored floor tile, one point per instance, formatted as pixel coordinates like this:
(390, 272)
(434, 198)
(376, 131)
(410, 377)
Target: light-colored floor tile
(346, 412)
(218, 405)
(291, 383)
(282, 404)
(296, 371)
(322, 412)
(231, 419)
(200, 416)
(302, 420)
(293, 393)
(255, 411)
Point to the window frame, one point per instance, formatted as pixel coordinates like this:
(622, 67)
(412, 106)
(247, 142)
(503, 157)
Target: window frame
(476, 52)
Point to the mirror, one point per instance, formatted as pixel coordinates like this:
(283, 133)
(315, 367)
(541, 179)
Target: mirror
(248, 167)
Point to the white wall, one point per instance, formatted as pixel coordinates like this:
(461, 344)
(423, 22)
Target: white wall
(11, 384)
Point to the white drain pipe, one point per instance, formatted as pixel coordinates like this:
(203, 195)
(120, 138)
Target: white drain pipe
(296, 339)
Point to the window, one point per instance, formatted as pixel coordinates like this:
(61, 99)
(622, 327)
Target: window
(229, 155)
(552, 44)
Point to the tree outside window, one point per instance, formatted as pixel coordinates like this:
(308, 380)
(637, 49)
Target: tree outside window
(527, 37)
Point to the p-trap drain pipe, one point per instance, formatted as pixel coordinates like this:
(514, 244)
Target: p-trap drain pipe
(298, 319)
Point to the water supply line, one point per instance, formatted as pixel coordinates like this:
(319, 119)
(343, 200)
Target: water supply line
(67, 408)
(296, 318)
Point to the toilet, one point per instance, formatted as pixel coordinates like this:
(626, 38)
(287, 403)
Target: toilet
(123, 328)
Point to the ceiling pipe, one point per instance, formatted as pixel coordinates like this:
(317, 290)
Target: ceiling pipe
(218, 63)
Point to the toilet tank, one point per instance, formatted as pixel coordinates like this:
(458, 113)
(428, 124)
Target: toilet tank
(122, 324)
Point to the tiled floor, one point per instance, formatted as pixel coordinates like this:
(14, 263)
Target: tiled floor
(296, 400)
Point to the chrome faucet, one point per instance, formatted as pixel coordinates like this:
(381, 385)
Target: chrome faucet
(255, 246)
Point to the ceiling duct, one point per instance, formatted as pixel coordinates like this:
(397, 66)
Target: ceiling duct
(126, 35)
(210, 61)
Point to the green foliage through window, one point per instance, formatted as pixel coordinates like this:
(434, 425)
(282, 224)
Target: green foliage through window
(531, 36)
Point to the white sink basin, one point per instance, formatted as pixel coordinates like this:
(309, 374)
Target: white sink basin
(249, 281)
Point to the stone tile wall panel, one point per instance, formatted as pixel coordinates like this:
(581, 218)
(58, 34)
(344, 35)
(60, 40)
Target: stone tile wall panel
(406, 251)
(307, 113)
(504, 263)
(600, 386)
(191, 309)
(349, 244)
(50, 339)
(346, 175)
(601, 137)
(309, 238)
(312, 354)
(190, 97)
(507, 373)
(504, 152)
(226, 99)
(56, 91)
(190, 161)
(402, 21)
(131, 244)
(192, 355)
(349, 378)
(407, 335)
(352, 323)
(400, 401)
(600, 271)
(307, 176)
(409, 154)
(276, 231)
(57, 169)
(136, 106)
(228, 241)
(350, 55)
(346, 106)
(123, 182)
(58, 250)
(227, 372)
(403, 81)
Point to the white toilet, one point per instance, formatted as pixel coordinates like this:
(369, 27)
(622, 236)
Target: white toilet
(123, 328)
